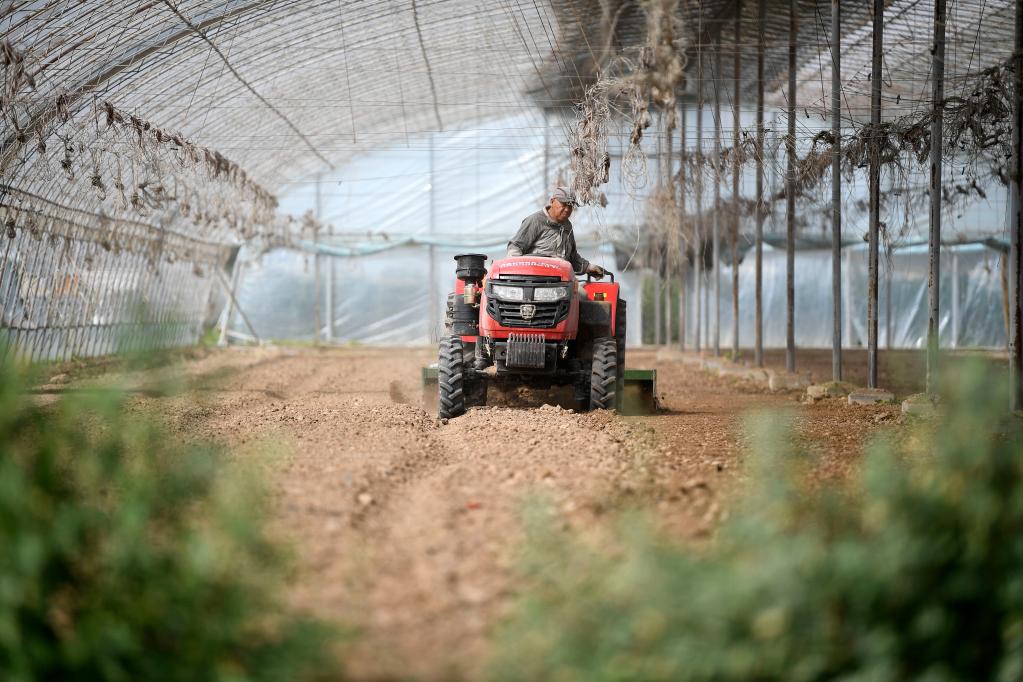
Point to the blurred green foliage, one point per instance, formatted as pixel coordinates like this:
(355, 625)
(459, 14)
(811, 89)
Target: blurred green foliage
(126, 554)
(914, 571)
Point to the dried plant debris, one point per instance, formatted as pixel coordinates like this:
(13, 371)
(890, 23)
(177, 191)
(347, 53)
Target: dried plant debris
(120, 165)
(651, 79)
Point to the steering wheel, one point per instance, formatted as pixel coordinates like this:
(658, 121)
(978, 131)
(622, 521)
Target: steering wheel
(589, 277)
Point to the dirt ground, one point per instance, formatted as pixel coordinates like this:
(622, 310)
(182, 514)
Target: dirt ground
(409, 529)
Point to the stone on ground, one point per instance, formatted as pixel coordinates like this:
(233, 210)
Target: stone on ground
(871, 396)
(787, 381)
(919, 405)
(830, 389)
(734, 371)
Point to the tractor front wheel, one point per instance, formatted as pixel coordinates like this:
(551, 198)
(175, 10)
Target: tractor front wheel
(458, 385)
(451, 378)
(604, 375)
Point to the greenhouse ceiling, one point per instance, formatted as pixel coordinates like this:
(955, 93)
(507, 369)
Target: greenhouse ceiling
(284, 89)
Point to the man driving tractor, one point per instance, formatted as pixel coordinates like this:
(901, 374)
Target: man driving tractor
(548, 232)
(529, 320)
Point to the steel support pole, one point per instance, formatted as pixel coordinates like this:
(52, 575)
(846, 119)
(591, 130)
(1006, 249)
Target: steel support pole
(433, 313)
(1016, 228)
(934, 252)
(546, 157)
(874, 164)
(329, 304)
(790, 201)
(698, 250)
(716, 291)
(225, 318)
(847, 308)
(331, 279)
(888, 343)
(657, 252)
(668, 275)
(736, 100)
(669, 258)
(758, 324)
(228, 287)
(317, 320)
(836, 190)
(684, 257)
(955, 298)
(657, 262)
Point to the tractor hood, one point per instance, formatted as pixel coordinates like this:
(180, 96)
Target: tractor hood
(532, 265)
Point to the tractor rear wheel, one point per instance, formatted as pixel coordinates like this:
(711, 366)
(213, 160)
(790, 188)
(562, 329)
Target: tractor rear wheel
(451, 377)
(604, 375)
(620, 329)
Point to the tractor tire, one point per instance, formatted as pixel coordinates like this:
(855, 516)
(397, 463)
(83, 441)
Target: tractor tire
(451, 378)
(604, 375)
(620, 328)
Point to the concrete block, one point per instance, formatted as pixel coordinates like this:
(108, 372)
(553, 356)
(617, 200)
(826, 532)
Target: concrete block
(831, 389)
(787, 381)
(757, 375)
(919, 405)
(871, 396)
(731, 370)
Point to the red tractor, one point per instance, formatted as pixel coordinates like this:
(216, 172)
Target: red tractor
(531, 322)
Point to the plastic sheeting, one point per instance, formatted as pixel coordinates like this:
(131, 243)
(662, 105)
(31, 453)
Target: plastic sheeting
(971, 299)
(477, 184)
(379, 299)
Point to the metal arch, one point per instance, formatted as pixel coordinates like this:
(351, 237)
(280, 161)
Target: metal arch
(75, 94)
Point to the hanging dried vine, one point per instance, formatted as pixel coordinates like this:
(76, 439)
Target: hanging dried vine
(652, 79)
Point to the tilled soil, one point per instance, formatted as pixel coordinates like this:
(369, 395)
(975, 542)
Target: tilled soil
(409, 529)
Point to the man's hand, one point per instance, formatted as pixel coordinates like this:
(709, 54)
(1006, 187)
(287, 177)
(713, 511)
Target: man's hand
(595, 270)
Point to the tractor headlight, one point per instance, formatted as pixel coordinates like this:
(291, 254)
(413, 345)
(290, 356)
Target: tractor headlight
(507, 293)
(550, 293)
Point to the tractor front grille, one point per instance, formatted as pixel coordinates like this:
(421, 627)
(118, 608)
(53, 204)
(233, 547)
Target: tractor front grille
(509, 314)
(531, 280)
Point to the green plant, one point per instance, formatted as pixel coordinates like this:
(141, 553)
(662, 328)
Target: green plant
(127, 555)
(914, 571)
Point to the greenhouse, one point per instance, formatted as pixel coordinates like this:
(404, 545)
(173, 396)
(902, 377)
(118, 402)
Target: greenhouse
(261, 222)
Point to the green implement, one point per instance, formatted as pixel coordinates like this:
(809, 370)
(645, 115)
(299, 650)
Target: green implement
(640, 390)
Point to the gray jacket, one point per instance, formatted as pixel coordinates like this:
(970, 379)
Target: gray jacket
(539, 235)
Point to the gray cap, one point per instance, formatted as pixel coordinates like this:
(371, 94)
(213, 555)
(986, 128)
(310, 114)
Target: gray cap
(565, 195)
